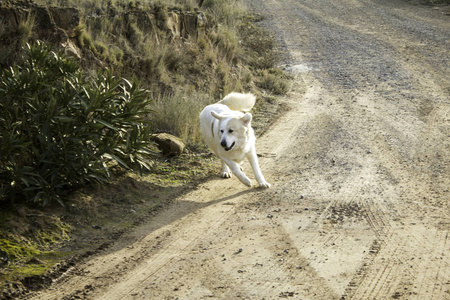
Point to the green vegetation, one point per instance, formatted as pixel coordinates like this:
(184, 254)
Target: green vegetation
(273, 80)
(60, 128)
(25, 247)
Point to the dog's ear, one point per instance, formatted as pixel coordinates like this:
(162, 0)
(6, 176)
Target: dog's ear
(246, 119)
(217, 116)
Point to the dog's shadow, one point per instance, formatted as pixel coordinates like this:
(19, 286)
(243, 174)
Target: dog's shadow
(226, 198)
(180, 209)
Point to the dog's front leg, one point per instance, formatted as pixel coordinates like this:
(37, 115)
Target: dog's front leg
(253, 159)
(236, 170)
(226, 173)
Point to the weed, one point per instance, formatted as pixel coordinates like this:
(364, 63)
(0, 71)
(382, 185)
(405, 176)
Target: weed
(16, 250)
(227, 42)
(225, 12)
(258, 45)
(25, 30)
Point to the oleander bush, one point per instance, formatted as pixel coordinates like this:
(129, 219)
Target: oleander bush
(60, 128)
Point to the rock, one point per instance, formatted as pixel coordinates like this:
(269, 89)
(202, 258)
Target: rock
(144, 21)
(168, 144)
(184, 25)
(192, 24)
(50, 23)
(172, 24)
(11, 17)
(66, 18)
(43, 20)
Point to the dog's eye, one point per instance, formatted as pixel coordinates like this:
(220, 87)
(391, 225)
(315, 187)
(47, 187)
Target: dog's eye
(230, 131)
(221, 131)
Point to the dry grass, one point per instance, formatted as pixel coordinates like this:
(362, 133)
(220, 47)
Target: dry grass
(273, 81)
(178, 113)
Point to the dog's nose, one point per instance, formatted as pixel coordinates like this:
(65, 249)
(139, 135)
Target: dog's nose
(223, 143)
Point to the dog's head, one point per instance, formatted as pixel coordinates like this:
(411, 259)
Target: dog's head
(233, 130)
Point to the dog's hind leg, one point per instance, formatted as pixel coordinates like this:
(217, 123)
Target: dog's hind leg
(226, 173)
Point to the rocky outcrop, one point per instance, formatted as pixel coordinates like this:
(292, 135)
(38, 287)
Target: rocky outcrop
(66, 19)
(60, 24)
(24, 20)
(50, 23)
(175, 24)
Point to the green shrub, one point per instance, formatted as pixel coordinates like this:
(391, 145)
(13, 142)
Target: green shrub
(60, 129)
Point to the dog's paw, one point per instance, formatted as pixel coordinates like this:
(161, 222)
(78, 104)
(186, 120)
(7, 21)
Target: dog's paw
(264, 185)
(225, 174)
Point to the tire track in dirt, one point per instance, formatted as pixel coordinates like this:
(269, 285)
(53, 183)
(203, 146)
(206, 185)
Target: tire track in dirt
(187, 233)
(304, 279)
(393, 155)
(399, 273)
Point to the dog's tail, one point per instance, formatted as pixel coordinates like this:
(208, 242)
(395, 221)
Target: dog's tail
(239, 102)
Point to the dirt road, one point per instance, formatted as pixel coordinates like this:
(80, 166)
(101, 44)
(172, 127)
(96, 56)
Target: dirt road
(360, 173)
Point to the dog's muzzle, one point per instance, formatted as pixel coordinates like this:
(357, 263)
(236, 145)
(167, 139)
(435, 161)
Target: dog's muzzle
(224, 144)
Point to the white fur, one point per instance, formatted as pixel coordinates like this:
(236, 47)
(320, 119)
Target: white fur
(229, 134)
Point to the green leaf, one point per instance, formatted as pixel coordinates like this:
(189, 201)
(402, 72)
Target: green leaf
(64, 119)
(110, 126)
(117, 159)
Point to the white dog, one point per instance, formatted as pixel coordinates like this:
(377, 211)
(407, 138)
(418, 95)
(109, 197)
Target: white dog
(228, 133)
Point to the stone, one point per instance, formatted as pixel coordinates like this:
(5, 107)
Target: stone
(66, 18)
(168, 144)
(173, 25)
